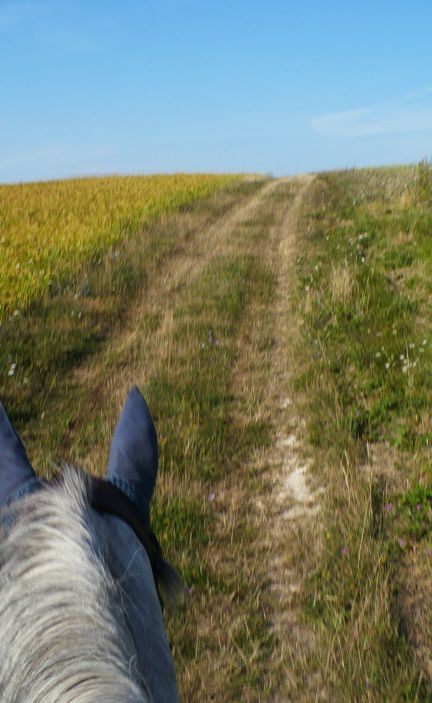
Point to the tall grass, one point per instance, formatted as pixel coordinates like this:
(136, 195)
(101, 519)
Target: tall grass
(423, 184)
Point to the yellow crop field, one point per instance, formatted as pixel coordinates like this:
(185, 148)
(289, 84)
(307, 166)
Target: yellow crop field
(48, 230)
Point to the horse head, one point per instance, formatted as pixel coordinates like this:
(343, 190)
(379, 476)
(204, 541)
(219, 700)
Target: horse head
(78, 553)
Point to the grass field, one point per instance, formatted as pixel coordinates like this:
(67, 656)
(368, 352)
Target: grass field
(184, 296)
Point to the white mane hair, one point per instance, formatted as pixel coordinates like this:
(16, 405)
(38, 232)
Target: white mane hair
(63, 631)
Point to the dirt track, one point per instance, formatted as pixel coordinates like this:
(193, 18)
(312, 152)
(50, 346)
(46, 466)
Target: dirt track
(285, 510)
(288, 512)
(293, 502)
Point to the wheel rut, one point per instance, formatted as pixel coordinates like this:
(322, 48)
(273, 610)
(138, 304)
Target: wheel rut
(291, 503)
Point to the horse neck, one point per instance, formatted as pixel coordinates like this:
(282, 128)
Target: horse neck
(130, 568)
(63, 636)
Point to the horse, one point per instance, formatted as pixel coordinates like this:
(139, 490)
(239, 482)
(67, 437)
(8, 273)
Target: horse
(82, 576)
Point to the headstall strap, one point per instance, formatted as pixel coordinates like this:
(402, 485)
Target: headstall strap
(107, 498)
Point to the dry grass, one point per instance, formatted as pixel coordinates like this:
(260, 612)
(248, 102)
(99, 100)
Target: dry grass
(416, 603)
(343, 284)
(285, 525)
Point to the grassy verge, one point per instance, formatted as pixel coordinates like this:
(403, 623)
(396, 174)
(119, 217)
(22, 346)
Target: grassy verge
(365, 292)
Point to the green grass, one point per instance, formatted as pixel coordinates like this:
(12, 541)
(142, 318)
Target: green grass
(364, 290)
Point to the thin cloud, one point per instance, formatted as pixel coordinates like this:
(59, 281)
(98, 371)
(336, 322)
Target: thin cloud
(398, 116)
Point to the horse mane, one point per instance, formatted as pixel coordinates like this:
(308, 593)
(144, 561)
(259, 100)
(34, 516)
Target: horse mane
(63, 632)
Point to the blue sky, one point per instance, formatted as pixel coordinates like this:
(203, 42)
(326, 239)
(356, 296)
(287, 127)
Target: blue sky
(144, 86)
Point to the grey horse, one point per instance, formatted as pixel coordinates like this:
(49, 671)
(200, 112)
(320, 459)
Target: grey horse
(81, 576)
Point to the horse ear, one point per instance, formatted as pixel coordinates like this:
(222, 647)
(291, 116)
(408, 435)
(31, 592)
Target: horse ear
(15, 468)
(134, 451)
